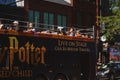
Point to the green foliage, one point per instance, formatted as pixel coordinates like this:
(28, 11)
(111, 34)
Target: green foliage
(112, 22)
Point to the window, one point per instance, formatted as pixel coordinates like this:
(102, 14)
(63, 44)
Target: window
(34, 16)
(61, 20)
(37, 18)
(31, 16)
(48, 20)
(90, 20)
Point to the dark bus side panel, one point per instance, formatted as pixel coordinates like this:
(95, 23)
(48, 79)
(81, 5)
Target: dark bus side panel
(28, 57)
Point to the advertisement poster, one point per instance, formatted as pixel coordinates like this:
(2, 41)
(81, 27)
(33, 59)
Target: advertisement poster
(115, 54)
(18, 3)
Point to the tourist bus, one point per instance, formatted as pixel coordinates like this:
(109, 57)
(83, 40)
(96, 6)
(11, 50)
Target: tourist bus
(46, 56)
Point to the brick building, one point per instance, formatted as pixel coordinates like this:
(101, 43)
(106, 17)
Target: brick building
(81, 13)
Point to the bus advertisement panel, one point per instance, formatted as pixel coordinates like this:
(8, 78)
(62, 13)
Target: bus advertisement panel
(44, 56)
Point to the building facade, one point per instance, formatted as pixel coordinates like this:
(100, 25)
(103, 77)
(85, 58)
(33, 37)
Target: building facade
(80, 13)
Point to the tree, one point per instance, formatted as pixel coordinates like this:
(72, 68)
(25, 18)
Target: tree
(112, 22)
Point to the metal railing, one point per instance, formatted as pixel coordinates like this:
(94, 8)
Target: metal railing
(52, 29)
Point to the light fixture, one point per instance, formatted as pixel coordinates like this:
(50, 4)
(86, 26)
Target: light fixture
(103, 38)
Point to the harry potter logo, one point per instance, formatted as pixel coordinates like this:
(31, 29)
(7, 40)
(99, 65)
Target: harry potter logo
(27, 53)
